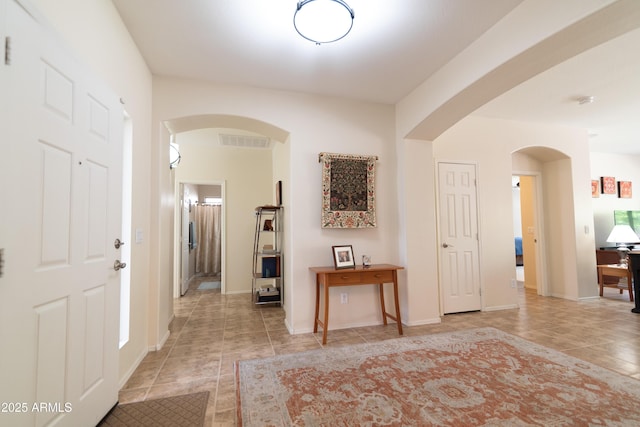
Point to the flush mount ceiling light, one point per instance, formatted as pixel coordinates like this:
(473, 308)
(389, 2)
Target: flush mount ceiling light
(323, 21)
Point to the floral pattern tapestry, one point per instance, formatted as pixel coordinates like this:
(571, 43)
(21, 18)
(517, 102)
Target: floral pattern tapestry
(348, 191)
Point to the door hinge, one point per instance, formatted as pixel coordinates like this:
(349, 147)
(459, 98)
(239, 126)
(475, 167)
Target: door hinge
(1, 261)
(7, 50)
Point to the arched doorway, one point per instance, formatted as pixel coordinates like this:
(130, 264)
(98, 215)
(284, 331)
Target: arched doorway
(544, 175)
(245, 170)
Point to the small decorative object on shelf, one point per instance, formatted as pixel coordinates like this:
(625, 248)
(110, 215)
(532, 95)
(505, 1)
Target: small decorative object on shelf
(366, 261)
(267, 278)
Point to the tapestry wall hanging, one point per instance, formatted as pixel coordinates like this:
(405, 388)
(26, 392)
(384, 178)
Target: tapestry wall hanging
(348, 191)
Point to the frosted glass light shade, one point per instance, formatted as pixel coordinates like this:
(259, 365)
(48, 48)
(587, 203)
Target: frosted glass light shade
(323, 21)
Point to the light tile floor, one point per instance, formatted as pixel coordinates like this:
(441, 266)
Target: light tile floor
(211, 331)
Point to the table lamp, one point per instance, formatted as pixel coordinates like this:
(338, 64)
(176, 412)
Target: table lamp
(622, 235)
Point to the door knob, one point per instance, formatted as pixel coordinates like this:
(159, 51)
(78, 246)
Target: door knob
(446, 245)
(117, 265)
(118, 243)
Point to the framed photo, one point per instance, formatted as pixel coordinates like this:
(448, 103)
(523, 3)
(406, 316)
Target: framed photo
(608, 185)
(595, 188)
(348, 191)
(343, 256)
(624, 189)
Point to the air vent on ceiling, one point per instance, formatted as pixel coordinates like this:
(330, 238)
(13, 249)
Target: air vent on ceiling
(245, 141)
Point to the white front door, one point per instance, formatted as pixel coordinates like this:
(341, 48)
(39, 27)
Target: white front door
(61, 213)
(458, 238)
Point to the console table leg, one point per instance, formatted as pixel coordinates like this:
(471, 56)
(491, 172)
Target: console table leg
(397, 303)
(315, 319)
(384, 310)
(325, 322)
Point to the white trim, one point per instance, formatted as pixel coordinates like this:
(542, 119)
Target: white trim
(177, 245)
(542, 285)
(132, 368)
(248, 292)
(433, 321)
(501, 307)
(161, 342)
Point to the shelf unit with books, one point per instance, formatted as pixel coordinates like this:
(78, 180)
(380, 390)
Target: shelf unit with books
(267, 275)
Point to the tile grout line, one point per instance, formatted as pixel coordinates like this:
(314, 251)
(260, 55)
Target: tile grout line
(164, 361)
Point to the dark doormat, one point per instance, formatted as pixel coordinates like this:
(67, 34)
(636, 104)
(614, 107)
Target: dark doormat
(187, 410)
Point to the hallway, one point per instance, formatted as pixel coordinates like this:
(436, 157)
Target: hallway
(211, 331)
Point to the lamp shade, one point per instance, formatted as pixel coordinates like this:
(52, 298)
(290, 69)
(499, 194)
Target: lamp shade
(323, 21)
(623, 234)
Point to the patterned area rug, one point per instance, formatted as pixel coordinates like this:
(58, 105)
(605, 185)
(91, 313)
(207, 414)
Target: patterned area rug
(478, 377)
(187, 410)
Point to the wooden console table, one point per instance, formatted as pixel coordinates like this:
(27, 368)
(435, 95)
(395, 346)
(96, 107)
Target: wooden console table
(615, 270)
(379, 274)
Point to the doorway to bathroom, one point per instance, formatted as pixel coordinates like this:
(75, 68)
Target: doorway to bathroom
(201, 234)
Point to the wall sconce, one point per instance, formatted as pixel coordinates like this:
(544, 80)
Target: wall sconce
(174, 155)
(323, 21)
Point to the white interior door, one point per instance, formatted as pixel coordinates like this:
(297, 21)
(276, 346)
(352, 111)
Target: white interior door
(458, 230)
(61, 213)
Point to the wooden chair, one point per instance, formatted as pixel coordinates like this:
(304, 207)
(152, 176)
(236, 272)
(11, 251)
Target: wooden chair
(609, 257)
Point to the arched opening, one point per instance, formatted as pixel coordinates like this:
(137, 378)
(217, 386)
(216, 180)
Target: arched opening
(543, 185)
(243, 158)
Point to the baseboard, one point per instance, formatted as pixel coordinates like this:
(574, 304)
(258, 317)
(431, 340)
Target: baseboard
(337, 327)
(161, 343)
(423, 322)
(589, 298)
(132, 369)
(237, 292)
(501, 307)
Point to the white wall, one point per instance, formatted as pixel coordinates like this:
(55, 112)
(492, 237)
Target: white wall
(96, 34)
(623, 168)
(315, 124)
(417, 246)
(248, 178)
(567, 202)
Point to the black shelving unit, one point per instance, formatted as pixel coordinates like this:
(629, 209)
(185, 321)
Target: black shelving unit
(267, 276)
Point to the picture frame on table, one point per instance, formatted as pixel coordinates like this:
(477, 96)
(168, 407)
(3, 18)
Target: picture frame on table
(343, 256)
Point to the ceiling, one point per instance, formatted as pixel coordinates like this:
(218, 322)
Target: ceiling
(389, 52)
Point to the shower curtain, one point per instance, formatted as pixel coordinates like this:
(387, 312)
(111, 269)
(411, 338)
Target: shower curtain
(208, 238)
